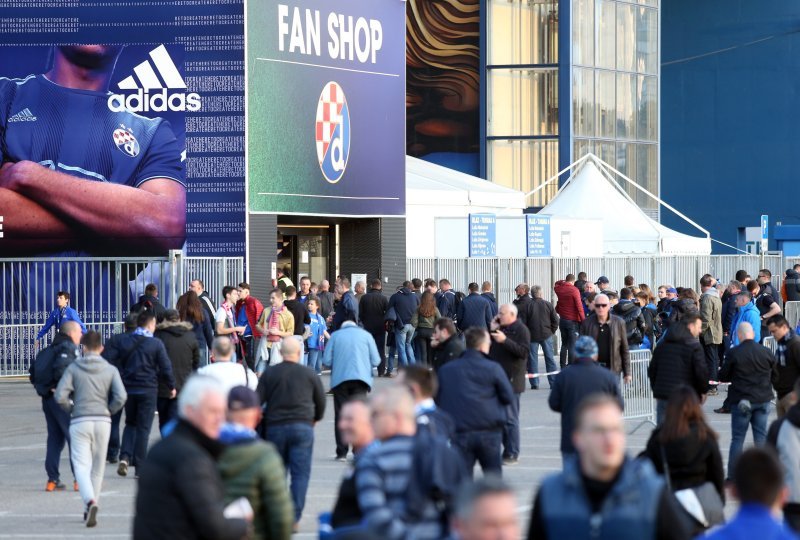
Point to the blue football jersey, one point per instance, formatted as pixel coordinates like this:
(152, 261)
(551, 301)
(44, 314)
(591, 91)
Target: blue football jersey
(74, 132)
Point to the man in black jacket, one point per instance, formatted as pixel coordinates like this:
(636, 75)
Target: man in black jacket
(510, 348)
(297, 309)
(486, 292)
(111, 351)
(522, 300)
(184, 355)
(405, 303)
(447, 344)
(295, 402)
(474, 310)
(142, 361)
(578, 380)
(149, 302)
(787, 365)
(749, 367)
(180, 492)
(208, 305)
(372, 310)
(678, 360)
(608, 331)
(476, 392)
(542, 322)
(630, 312)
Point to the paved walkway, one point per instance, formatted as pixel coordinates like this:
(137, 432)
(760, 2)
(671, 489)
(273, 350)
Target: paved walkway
(27, 511)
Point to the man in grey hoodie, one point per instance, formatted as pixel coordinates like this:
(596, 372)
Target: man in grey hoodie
(96, 391)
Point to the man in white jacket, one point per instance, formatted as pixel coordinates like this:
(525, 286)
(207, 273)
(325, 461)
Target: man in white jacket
(96, 391)
(226, 370)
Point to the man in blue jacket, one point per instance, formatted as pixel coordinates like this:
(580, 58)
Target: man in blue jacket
(475, 391)
(746, 311)
(351, 354)
(405, 303)
(60, 315)
(142, 360)
(474, 310)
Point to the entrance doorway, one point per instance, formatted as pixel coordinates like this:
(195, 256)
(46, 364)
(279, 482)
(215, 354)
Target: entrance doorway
(305, 249)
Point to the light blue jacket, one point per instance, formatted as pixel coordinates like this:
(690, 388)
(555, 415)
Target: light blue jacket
(351, 354)
(747, 313)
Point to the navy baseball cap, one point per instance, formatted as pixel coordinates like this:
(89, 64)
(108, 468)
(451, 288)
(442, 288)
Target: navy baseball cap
(242, 398)
(601, 279)
(672, 290)
(586, 347)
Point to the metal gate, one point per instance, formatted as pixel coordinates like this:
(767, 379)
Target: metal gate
(638, 397)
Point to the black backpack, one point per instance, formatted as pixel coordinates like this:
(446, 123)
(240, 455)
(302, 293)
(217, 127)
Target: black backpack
(437, 472)
(42, 372)
(142, 306)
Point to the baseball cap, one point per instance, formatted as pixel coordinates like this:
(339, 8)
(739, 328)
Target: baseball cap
(601, 279)
(586, 347)
(241, 398)
(672, 290)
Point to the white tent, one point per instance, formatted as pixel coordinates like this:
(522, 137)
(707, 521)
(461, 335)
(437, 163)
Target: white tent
(592, 192)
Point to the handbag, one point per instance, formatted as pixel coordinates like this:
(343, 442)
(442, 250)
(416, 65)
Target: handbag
(702, 503)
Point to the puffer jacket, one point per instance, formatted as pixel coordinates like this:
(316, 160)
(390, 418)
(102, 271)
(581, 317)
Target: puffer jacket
(746, 313)
(569, 306)
(635, 325)
(182, 349)
(677, 360)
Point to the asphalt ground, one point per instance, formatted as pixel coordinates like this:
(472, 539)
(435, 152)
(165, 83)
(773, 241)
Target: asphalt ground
(27, 511)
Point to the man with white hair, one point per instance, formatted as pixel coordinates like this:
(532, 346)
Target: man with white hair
(226, 370)
(510, 348)
(608, 331)
(180, 491)
(748, 367)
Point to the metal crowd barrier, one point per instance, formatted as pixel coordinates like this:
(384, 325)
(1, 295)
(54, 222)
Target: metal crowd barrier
(639, 401)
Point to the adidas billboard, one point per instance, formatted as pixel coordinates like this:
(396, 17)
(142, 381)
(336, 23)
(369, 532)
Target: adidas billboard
(146, 92)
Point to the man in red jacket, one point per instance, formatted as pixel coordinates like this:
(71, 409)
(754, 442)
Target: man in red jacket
(570, 311)
(248, 311)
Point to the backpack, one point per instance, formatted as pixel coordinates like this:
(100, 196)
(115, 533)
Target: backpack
(457, 303)
(142, 306)
(42, 371)
(437, 472)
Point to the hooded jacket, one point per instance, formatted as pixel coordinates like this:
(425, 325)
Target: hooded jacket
(346, 310)
(569, 306)
(787, 365)
(635, 326)
(253, 469)
(677, 360)
(90, 380)
(746, 313)
(492, 302)
(405, 303)
(142, 361)
(183, 352)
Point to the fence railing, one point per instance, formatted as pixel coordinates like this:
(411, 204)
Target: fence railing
(638, 397)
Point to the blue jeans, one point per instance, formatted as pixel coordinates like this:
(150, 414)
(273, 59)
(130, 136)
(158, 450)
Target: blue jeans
(113, 440)
(661, 411)
(405, 351)
(57, 436)
(295, 444)
(549, 361)
(511, 430)
(756, 417)
(569, 335)
(483, 447)
(139, 412)
(315, 360)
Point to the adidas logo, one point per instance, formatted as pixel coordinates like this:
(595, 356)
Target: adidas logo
(148, 88)
(25, 115)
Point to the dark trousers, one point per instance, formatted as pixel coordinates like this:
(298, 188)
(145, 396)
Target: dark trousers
(380, 342)
(711, 352)
(249, 344)
(569, 335)
(295, 444)
(423, 341)
(482, 447)
(511, 430)
(57, 436)
(342, 393)
(113, 440)
(167, 410)
(139, 412)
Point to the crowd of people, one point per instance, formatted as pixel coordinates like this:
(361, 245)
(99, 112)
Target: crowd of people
(238, 392)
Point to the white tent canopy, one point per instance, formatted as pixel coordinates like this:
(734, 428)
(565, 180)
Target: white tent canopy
(592, 192)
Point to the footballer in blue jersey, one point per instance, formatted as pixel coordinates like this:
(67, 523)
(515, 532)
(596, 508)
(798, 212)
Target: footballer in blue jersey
(77, 177)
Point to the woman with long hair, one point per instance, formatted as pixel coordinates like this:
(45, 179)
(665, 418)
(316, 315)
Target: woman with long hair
(423, 320)
(651, 297)
(685, 450)
(191, 311)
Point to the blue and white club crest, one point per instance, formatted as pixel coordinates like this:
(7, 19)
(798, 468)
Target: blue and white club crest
(125, 141)
(333, 132)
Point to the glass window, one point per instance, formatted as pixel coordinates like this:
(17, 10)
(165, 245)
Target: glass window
(647, 173)
(583, 32)
(582, 147)
(626, 164)
(523, 102)
(626, 106)
(647, 129)
(605, 30)
(524, 165)
(583, 101)
(626, 37)
(605, 151)
(605, 104)
(647, 41)
(523, 32)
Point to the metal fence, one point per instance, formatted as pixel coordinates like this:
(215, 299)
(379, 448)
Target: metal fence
(101, 290)
(639, 401)
(506, 274)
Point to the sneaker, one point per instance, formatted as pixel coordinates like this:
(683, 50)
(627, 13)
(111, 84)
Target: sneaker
(55, 486)
(122, 470)
(341, 459)
(511, 461)
(75, 486)
(722, 410)
(91, 514)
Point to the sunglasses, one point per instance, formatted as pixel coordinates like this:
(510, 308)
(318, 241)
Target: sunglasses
(600, 305)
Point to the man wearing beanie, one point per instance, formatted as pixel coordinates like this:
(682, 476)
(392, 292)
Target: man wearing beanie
(582, 378)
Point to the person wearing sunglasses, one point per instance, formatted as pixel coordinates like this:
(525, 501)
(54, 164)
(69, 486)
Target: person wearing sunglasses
(608, 330)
